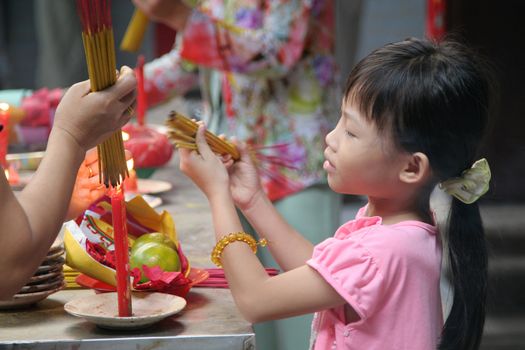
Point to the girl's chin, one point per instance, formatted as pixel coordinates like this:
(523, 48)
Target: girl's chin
(333, 184)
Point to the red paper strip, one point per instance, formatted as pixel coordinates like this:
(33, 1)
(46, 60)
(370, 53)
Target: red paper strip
(141, 94)
(435, 23)
(4, 133)
(121, 252)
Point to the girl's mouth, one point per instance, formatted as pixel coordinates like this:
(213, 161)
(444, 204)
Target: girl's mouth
(327, 166)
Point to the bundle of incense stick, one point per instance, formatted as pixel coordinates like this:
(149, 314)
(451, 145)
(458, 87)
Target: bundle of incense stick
(182, 132)
(99, 47)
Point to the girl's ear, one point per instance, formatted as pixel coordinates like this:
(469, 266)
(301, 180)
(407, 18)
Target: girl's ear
(416, 169)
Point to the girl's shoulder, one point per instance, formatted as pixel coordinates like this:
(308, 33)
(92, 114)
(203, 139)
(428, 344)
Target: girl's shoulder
(399, 241)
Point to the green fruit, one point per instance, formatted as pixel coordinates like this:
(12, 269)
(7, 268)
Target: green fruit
(154, 254)
(157, 237)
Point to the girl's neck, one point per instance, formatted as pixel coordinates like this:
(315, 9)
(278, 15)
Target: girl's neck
(394, 211)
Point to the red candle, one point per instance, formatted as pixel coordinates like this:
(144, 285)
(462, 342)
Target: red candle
(4, 133)
(118, 209)
(141, 94)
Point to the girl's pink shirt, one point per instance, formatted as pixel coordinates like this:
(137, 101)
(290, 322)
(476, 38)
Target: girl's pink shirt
(389, 274)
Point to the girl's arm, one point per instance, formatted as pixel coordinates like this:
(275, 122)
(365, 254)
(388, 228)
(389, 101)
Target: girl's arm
(30, 222)
(250, 198)
(269, 223)
(258, 297)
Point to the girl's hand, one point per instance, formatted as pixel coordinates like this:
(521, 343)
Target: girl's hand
(173, 13)
(204, 167)
(90, 117)
(87, 187)
(245, 183)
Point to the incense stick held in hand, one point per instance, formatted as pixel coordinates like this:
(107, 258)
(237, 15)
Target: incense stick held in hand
(99, 47)
(182, 132)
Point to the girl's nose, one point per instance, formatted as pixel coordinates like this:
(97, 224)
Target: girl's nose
(330, 139)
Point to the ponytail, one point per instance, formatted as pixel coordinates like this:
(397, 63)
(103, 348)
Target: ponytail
(468, 264)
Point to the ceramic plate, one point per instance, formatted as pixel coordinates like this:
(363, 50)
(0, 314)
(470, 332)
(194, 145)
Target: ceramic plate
(23, 300)
(150, 186)
(57, 245)
(147, 308)
(47, 285)
(51, 265)
(55, 254)
(44, 277)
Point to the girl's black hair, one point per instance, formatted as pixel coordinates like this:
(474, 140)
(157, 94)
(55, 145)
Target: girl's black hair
(434, 98)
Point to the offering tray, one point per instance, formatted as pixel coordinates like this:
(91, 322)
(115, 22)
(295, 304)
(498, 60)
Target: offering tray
(148, 308)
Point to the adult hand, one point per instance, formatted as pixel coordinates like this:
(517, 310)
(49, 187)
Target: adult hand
(90, 117)
(87, 186)
(173, 13)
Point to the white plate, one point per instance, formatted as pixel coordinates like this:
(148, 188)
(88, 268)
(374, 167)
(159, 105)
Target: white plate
(43, 277)
(147, 308)
(40, 287)
(22, 300)
(54, 266)
(150, 186)
(53, 255)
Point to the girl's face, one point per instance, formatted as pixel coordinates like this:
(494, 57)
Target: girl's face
(359, 159)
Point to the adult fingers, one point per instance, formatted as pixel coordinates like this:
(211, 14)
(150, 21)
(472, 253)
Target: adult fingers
(129, 98)
(80, 89)
(140, 4)
(91, 171)
(91, 156)
(126, 114)
(124, 85)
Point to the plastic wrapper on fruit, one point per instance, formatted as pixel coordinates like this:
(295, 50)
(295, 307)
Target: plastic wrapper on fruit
(89, 246)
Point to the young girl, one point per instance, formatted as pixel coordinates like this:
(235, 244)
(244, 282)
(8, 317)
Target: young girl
(412, 117)
(31, 220)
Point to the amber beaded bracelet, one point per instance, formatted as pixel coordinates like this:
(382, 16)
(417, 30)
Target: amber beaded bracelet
(234, 237)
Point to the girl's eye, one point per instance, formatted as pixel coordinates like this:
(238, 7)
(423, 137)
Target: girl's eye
(349, 133)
